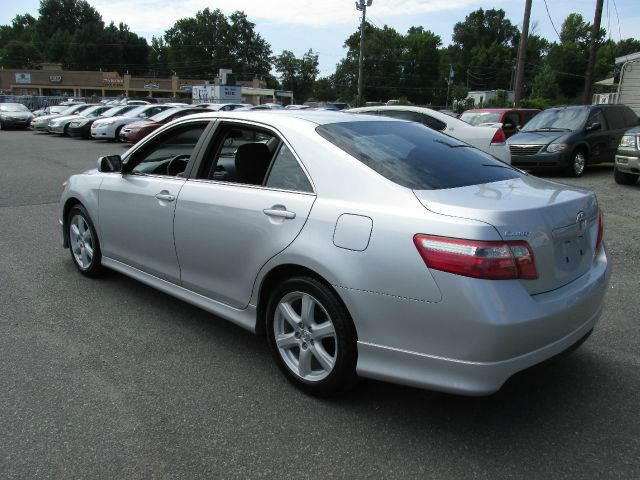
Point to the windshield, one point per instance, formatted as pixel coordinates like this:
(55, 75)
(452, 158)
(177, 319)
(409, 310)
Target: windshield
(558, 119)
(158, 117)
(13, 107)
(57, 109)
(415, 156)
(72, 109)
(477, 118)
(92, 110)
(137, 111)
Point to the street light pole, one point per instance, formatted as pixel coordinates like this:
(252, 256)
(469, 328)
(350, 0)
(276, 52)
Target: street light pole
(361, 5)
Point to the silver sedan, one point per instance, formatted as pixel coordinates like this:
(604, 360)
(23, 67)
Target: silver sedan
(359, 245)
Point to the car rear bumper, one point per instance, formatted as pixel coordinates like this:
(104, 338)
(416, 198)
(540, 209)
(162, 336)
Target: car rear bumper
(628, 164)
(501, 152)
(480, 333)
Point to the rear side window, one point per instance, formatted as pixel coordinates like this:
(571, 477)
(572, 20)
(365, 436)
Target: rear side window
(415, 156)
(287, 174)
(614, 117)
(630, 118)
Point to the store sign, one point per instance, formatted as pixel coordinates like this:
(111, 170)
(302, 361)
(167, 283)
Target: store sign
(151, 85)
(113, 82)
(23, 78)
(55, 78)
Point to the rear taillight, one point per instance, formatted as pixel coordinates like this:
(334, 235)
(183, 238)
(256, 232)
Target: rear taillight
(498, 138)
(600, 230)
(478, 259)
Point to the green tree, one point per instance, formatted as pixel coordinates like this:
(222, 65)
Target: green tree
(420, 65)
(545, 86)
(324, 90)
(201, 45)
(297, 74)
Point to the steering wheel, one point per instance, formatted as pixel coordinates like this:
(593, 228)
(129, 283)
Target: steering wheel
(177, 164)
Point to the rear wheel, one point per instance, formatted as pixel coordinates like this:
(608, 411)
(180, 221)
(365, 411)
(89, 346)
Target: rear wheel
(312, 336)
(577, 163)
(83, 242)
(624, 178)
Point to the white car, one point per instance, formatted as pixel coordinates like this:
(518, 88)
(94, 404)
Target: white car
(109, 128)
(488, 139)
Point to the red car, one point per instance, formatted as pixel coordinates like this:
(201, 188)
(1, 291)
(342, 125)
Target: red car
(136, 131)
(511, 118)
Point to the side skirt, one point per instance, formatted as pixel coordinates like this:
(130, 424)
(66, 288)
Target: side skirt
(244, 318)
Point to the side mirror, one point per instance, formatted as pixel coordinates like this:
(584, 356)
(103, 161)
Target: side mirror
(593, 126)
(110, 164)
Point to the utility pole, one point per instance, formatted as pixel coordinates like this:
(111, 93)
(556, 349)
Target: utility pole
(588, 82)
(522, 54)
(361, 6)
(449, 81)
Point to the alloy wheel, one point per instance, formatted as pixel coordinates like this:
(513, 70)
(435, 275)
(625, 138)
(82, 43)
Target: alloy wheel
(305, 336)
(81, 240)
(578, 163)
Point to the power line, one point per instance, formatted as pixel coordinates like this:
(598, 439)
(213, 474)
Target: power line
(551, 20)
(618, 17)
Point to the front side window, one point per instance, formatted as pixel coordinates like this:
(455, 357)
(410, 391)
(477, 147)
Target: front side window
(415, 156)
(598, 117)
(169, 153)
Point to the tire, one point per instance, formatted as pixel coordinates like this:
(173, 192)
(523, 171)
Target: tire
(117, 139)
(316, 351)
(623, 178)
(577, 163)
(65, 131)
(83, 242)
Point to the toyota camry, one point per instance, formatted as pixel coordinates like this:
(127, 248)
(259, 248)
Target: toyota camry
(358, 245)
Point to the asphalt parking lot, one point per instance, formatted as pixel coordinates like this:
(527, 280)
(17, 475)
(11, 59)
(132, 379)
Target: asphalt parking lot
(111, 379)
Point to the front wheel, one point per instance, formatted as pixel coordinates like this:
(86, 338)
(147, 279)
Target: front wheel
(312, 336)
(83, 242)
(624, 178)
(577, 163)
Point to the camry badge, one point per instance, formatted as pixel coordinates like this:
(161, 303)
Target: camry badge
(509, 233)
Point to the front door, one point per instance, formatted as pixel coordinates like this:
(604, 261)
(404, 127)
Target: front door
(136, 208)
(247, 202)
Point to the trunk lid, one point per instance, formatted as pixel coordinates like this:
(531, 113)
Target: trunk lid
(559, 222)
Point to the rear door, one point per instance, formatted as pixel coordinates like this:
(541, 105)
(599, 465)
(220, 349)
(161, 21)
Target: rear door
(246, 202)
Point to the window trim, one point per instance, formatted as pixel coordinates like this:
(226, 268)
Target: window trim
(212, 137)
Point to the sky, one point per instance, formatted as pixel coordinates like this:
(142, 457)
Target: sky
(323, 25)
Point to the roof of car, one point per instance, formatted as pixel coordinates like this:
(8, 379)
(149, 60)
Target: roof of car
(501, 110)
(318, 117)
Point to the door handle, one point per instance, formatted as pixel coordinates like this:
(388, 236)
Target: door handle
(166, 197)
(279, 212)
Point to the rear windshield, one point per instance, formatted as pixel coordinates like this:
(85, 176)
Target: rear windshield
(478, 118)
(415, 156)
